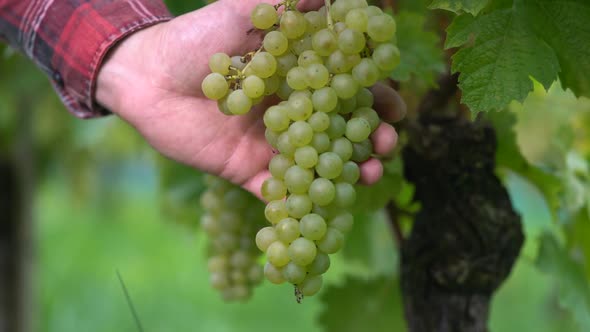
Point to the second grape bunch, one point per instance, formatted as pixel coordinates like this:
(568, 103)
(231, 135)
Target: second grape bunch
(320, 64)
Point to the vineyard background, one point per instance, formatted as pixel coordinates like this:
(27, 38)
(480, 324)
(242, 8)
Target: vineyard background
(103, 200)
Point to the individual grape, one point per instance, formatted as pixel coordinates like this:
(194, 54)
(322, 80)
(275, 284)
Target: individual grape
(339, 63)
(278, 166)
(253, 86)
(214, 86)
(297, 78)
(271, 85)
(240, 260)
(300, 107)
(324, 42)
(294, 273)
(285, 145)
(386, 57)
(344, 85)
(265, 237)
(350, 173)
(302, 251)
(284, 90)
(342, 147)
(210, 225)
(312, 226)
(276, 118)
(317, 75)
(345, 194)
(357, 130)
(271, 137)
(324, 99)
(298, 205)
(347, 105)
(362, 151)
(351, 41)
(357, 19)
(219, 280)
(381, 28)
(309, 57)
(299, 46)
(230, 221)
(298, 179)
(342, 222)
(337, 126)
(287, 230)
(315, 21)
(320, 142)
(300, 133)
(370, 115)
(219, 63)
(311, 285)
(275, 43)
(364, 98)
(293, 24)
(263, 64)
(331, 242)
(329, 165)
(320, 264)
(273, 189)
(217, 264)
(222, 105)
(373, 10)
(307, 156)
(322, 191)
(285, 62)
(278, 254)
(325, 211)
(276, 211)
(366, 73)
(301, 94)
(264, 16)
(319, 121)
(339, 9)
(273, 274)
(238, 103)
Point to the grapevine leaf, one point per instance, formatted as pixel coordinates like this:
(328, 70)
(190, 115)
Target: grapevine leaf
(460, 6)
(360, 305)
(421, 55)
(574, 291)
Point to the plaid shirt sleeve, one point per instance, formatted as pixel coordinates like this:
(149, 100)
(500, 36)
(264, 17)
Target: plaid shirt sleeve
(68, 39)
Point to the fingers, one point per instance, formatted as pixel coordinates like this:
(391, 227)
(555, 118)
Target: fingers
(254, 185)
(388, 103)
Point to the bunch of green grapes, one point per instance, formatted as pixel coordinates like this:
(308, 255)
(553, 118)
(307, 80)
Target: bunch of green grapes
(320, 64)
(231, 219)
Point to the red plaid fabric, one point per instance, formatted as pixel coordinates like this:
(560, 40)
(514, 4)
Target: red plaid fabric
(68, 39)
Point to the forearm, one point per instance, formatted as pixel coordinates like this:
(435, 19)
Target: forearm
(68, 40)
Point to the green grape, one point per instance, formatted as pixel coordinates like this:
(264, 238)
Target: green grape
(345, 194)
(324, 99)
(276, 118)
(287, 230)
(351, 41)
(230, 221)
(332, 241)
(219, 63)
(319, 121)
(329, 165)
(344, 85)
(370, 115)
(275, 43)
(381, 28)
(298, 179)
(298, 205)
(294, 273)
(357, 19)
(271, 85)
(350, 173)
(297, 78)
(214, 86)
(284, 90)
(210, 225)
(285, 145)
(278, 254)
(373, 10)
(312, 226)
(263, 64)
(219, 280)
(364, 98)
(324, 211)
(299, 46)
(386, 57)
(265, 237)
(366, 73)
(337, 126)
(339, 9)
(300, 133)
(240, 260)
(320, 264)
(238, 103)
(302, 251)
(342, 147)
(273, 274)
(253, 86)
(225, 242)
(217, 264)
(309, 57)
(301, 94)
(339, 63)
(322, 191)
(211, 202)
(278, 166)
(273, 189)
(317, 75)
(300, 107)
(324, 42)
(311, 285)
(362, 151)
(315, 21)
(293, 24)
(320, 142)
(307, 156)
(222, 105)
(234, 197)
(342, 222)
(357, 130)
(271, 137)
(275, 211)
(347, 105)
(264, 16)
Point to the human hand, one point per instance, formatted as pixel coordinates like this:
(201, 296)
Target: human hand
(152, 80)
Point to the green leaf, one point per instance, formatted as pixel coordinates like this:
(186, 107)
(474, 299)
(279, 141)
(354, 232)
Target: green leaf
(421, 54)
(502, 50)
(574, 291)
(359, 305)
(460, 6)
